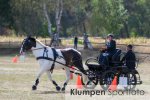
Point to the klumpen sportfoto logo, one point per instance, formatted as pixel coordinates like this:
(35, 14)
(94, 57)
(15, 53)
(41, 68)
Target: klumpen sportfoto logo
(139, 93)
(91, 93)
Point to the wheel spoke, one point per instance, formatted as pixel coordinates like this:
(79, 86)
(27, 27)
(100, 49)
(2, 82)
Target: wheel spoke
(94, 81)
(88, 83)
(106, 79)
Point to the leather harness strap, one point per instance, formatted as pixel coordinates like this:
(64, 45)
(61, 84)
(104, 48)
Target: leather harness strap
(45, 52)
(55, 54)
(45, 56)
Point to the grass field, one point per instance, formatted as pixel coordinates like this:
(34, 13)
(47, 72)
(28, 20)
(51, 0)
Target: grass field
(16, 80)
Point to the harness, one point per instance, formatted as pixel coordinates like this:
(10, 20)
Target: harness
(55, 55)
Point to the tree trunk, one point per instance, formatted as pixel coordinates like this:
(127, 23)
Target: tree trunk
(84, 28)
(87, 43)
(126, 29)
(48, 20)
(59, 11)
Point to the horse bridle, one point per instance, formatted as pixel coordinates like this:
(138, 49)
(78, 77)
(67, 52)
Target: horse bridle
(31, 49)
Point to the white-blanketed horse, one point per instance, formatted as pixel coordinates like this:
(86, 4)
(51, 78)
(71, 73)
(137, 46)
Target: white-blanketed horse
(50, 58)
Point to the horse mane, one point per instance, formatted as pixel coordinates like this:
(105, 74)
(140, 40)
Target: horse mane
(40, 43)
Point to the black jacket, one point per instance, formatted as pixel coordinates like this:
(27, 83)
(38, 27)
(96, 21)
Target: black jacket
(111, 46)
(75, 40)
(130, 59)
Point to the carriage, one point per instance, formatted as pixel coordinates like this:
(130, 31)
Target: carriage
(49, 58)
(104, 75)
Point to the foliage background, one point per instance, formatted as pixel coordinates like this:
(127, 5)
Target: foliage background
(124, 18)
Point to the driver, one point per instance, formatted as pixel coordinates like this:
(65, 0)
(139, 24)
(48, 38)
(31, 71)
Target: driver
(110, 45)
(109, 50)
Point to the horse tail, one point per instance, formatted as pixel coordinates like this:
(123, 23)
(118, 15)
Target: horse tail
(77, 60)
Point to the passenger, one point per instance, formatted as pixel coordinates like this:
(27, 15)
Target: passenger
(129, 58)
(109, 51)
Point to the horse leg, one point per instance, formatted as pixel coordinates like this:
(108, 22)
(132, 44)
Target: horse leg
(85, 78)
(34, 87)
(67, 78)
(50, 78)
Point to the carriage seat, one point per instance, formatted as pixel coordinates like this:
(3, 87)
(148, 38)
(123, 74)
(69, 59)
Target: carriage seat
(115, 59)
(116, 56)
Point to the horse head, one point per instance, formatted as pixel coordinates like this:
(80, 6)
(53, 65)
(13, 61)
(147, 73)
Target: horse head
(27, 44)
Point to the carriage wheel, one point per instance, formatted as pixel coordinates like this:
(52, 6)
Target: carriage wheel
(89, 83)
(91, 60)
(106, 79)
(131, 80)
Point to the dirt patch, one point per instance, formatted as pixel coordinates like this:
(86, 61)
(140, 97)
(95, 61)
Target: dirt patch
(17, 79)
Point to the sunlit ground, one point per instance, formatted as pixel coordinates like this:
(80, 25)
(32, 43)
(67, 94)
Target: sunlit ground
(16, 80)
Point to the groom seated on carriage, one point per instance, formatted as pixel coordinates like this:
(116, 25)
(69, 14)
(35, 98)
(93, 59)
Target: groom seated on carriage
(108, 51)
(129, 59)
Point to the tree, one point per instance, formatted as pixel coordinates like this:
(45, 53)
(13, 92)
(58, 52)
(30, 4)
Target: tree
(58, 16)
(124, 18)
(108, 16)
(5, 13)
(48, 19)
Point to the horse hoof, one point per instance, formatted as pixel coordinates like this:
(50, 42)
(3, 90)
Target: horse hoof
(58, 88)
(34, 87)
(63, 89)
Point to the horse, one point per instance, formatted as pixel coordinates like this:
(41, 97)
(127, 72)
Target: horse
(50, 58)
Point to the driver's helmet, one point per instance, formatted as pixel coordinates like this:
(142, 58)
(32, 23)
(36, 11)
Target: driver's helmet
(110, 35)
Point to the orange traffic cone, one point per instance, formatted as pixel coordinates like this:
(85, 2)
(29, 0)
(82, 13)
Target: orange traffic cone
(79, 83)
(113, 86)
(15, 59)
